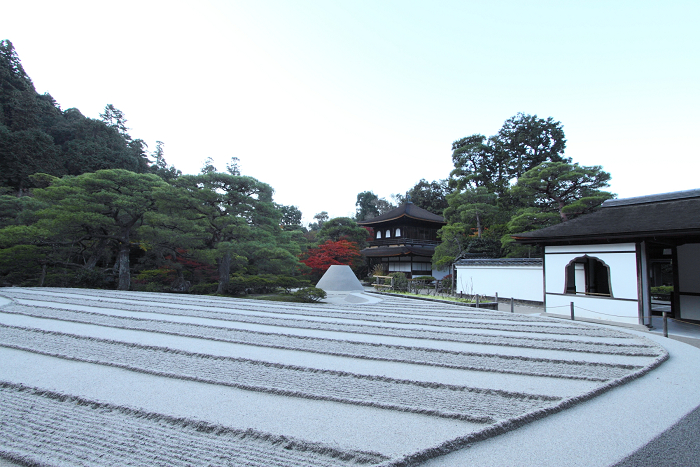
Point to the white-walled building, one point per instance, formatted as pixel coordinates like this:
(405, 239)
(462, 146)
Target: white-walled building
(606, 262)
(518, 278)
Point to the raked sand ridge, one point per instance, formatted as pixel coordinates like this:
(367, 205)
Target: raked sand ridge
(93, 377)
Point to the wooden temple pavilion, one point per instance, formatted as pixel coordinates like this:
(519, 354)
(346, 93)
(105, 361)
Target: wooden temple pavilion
(404, 240)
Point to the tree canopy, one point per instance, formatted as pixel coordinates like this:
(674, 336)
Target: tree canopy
(514, 181)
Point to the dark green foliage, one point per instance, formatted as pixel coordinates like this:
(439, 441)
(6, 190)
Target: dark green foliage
(290, 217)
(262, 284)
(343, 228)
(400, 281)
(321, 219)
(366, 206)
(81, 205)
(567, 189)
(515, 181)
(310, 294)
(530, 141)
(431, 196)
(37, 136)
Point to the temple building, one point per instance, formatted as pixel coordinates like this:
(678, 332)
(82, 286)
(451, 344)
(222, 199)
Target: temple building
(404, 240)
(615, 263)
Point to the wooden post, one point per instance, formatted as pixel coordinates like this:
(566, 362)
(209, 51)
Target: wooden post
(477, 300)
(665, 323)
(512, 305)
(572, 309)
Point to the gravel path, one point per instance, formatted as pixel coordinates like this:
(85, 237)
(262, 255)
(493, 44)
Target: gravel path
(88, 431)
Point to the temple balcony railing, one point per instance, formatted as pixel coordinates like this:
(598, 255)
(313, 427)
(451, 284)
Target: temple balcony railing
(403, 241)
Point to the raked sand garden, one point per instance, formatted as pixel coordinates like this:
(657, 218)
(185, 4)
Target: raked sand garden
(95, 377)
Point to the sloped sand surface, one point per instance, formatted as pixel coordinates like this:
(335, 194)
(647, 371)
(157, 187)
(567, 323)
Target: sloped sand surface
(152, 378)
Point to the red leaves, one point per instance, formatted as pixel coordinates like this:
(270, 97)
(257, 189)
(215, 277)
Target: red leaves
(324, 256)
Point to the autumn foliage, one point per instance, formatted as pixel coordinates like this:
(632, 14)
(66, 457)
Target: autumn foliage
(327, 254)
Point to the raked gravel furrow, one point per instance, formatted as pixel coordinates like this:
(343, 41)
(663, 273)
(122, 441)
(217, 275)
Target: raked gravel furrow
(511, 364)
(391, 307)
(628, 347)
(379, 345)
(45, 428)
(459, 402)
(485, 323)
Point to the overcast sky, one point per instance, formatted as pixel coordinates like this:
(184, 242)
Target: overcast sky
(324, 99)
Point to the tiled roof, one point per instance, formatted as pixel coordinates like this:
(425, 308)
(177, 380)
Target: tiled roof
(663, 215)
(405, 210)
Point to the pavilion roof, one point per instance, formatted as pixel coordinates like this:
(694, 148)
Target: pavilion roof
(408, 210)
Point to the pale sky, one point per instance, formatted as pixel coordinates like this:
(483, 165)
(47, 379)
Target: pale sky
(325, 99)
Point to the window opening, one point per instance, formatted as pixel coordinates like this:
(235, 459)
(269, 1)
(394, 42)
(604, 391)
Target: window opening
(387, 234)
(587, 275)
(379, 234)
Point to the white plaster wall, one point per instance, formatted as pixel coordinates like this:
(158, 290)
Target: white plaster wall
(608, 247)
(620, 258)
(689, 279)
(594, 308)
(690, 307)
(689, 267)
(519, 282)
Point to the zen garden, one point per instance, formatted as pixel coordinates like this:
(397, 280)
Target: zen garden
(155, 318)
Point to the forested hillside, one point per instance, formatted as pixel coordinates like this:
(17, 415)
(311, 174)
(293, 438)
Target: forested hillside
(36, 135)
(81, 204)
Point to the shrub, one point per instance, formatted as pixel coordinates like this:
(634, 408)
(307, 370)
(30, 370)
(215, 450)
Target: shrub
(204, 288)
(289, 282)
(424, 278)
(310, 294)
(240, 284)
(89, 278)
(400, 281)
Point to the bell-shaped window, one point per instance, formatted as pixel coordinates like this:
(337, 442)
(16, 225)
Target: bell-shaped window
(587, 275)
(398, 232)
(379, 234)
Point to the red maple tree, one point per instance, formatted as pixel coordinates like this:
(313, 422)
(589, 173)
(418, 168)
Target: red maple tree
(320, 258)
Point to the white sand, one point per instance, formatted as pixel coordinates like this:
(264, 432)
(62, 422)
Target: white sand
(500, 344)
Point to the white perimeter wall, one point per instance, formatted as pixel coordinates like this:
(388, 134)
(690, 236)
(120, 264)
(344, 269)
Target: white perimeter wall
(621, 258)
(518, 282)
(689, 280)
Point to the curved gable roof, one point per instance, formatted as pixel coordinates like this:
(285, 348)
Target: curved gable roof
(662, 215)
(409, 210)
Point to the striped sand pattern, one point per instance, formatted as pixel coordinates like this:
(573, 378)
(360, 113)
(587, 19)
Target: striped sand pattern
(619, 344)
(87, 433)
(480, 320)
(435, 367)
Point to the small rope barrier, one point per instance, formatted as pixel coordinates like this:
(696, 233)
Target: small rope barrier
(606, 314)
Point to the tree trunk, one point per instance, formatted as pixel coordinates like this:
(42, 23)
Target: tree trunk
(479, 227)
(42, 278)
(562, 214)
(95, 257)
(124, 272)
(224, 271)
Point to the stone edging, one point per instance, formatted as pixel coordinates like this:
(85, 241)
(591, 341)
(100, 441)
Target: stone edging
(485, 306)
